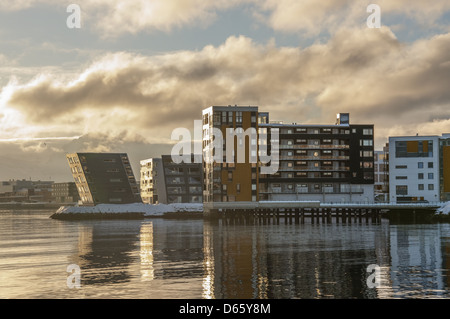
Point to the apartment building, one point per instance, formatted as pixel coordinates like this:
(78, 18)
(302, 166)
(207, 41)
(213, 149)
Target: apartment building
(225, 178)
(153, 188)
(104, 178)
(419, 168)
(328, 163)
(65, 192)
(164, 181)
(381, 170)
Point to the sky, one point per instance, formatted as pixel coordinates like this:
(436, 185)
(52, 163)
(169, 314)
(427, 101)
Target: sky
(136, 70)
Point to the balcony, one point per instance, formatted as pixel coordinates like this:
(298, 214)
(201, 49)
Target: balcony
(314, 158)
(314, 169)
(275, 190)
(314, 147)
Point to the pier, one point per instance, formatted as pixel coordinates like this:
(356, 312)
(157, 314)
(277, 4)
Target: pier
(317, 212)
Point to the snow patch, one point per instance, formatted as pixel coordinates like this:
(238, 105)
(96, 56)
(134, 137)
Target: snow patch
(444, 209)
(147, 209)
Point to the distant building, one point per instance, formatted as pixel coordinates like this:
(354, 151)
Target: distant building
(419, 168)
(381, 169)
(104, 178)
(26, 191)
(166, 182)
(153, 188)
(327, 163)
(65, 192)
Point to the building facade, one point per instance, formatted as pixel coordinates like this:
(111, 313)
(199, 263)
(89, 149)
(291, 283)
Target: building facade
(104, 178)
(164, 181)
(65, 192)
(225, 178)
(153, 188)
(414, 169)
(381, 169)
(327, 163)
(419, 168)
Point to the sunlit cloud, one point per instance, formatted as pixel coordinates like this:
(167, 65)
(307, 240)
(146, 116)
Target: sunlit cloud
(369, 73)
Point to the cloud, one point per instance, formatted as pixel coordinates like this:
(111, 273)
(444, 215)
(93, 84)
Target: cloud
(113, 18)
(367, 72)
(309, 18)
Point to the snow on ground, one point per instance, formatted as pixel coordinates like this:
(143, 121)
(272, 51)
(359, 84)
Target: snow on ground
(444, 209)
(147, 209)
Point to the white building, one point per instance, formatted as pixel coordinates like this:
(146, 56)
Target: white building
(414, 169)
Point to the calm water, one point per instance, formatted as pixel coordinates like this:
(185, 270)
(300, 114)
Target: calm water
(158, 258)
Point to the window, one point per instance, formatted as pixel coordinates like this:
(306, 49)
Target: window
(401, 177)
(216, 118)
(238, 188)
(366, 153)
(421, 187)
(366, 143)
(401, 190)
(430, 175)
(238, 117)
(366, 165)
(420, 165)
(367, 131)
(430, 187)
(430, 164)
(420, 176)
(414, 148)
(401, 166)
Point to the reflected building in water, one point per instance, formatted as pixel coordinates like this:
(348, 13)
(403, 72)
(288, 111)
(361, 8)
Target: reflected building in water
(419, 262)
(276, 262)
(221, 260)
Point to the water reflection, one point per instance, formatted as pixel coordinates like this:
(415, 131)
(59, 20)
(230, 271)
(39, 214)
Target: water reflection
(104, 251)
(325, 261)
(200, 259)
(285, 261)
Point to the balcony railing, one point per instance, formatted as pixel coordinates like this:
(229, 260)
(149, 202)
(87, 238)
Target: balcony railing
(314, 169)
(313, 146)
(314, 158)
(308, 192)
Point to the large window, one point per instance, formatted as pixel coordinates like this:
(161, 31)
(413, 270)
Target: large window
(414, 149)
(401, 190)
